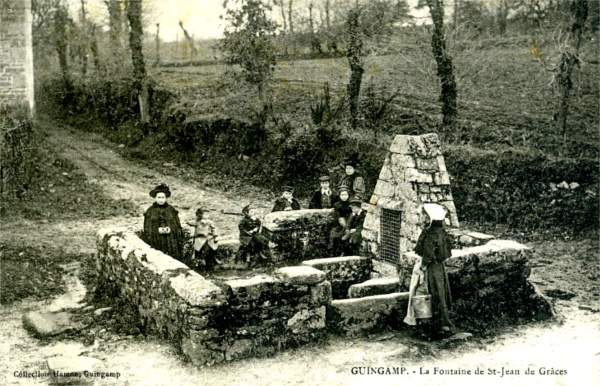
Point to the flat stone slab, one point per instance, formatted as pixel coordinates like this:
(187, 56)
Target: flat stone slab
(380, 286)
(368, 301)
(73, 369)
(333, 260)
(300, 275)
(47, 324)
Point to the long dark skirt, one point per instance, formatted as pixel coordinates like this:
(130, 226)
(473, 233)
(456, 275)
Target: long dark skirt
(441, 298)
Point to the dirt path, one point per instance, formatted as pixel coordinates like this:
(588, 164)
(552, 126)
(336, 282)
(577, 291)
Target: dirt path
(573, 346)
(121, 179)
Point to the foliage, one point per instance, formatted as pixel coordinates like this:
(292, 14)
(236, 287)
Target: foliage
(30, 272)
(248, 41)
(16, 131)
(375, 107)
(525, 190)
(323, 113)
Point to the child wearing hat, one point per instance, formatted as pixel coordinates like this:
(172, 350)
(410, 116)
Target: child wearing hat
(162, 228)
(205, 240)
(353, 180)
(286, 201)
(323, 198)
(341, 212)
(252, 241)
(353, 237)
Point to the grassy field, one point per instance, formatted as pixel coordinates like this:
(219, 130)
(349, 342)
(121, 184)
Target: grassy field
(506, 98)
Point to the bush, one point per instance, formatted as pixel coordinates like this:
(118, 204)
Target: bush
(16, 130)
(525, 190)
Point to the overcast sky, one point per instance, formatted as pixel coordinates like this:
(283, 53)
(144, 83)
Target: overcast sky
(199, 17)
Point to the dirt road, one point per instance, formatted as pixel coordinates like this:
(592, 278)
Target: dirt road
(550, 348)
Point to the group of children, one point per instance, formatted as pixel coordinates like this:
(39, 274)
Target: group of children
(163, 231)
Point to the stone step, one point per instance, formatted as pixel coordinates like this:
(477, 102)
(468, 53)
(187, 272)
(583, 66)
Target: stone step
(359, 316)
(380, 286)
(343, 271)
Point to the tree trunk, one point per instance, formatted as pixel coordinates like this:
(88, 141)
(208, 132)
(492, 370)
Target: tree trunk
(282, 8)
(311, 23)
(134, 15)
(85, 38)
(61, 20)
(502, 16)
(94, 50)
(445, 69)
(327, 19)
(570, 60)
(190, 41)
(115, 33)
(157, 43)
(354, 55)
(290, 17)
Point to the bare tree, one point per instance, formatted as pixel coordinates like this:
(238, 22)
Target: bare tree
(502, 15)
(327, 18)
(134, 15)
(115, 32)
(157, 46)
(84, 40)
(569, 61)
(61, 25)
(290, 16)
(445, 69)
(94, 50)
(190, 41)
(282, 9)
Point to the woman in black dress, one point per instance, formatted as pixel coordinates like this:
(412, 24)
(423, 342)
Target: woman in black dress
(434, 247)
(162, 228)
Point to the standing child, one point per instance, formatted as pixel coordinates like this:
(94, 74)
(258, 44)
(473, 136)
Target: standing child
(162, 228)
(323, 198)
(252, 242)
(286, 201)
(205, 240)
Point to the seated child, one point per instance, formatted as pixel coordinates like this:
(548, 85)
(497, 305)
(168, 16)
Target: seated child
(205, 241)
(353, 237)
(323, 198)
(341, 213)
(286, 201)
(252, 242)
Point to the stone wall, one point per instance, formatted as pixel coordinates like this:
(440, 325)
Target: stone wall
(413, 173)
(489, 284)
(299, 234)
(211, 321)
(16, 53)
(342, 272)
